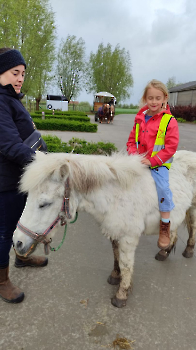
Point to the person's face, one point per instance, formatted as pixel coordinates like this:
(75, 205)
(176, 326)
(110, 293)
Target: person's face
(155, 98)
(13, 76)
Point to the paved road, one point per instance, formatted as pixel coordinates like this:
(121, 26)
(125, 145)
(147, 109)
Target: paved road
(67, 304)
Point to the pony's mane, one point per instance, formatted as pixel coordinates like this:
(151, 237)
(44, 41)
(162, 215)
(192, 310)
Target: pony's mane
(85, 171)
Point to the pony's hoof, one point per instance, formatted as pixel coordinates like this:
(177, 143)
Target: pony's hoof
(162, 255)
(113, 280)
(187, 253)
(118, 302)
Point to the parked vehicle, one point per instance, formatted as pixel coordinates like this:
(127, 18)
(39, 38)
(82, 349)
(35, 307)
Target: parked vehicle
(101, 98)
(57, 102)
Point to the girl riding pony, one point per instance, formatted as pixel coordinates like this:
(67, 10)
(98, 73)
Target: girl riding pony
(155, 135)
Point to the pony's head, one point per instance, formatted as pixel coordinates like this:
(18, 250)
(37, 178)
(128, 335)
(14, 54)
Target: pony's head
(46, 180)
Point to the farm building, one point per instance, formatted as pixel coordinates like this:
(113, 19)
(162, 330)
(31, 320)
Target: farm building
(183, 95)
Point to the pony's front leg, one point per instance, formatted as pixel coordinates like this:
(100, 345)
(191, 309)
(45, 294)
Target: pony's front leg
(114, 278)
(191, 226)
(127, 247)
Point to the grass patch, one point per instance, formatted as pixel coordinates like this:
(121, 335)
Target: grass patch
(125, 111)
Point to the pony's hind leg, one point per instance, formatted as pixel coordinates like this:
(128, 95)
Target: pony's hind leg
(191, 226)
(114, 278)
(127, 247)
(162, 255)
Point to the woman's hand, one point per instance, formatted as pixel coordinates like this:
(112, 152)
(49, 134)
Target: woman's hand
(146, 161)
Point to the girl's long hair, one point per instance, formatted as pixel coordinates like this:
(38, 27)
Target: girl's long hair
(157, 85)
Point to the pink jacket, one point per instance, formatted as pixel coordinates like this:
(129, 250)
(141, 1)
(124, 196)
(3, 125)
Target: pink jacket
(147, 136)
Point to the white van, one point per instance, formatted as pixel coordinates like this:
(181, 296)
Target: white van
(57, 102)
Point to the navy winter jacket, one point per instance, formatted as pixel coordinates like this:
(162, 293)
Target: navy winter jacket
(15, 126)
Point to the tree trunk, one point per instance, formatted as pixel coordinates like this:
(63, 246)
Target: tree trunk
(38, 99)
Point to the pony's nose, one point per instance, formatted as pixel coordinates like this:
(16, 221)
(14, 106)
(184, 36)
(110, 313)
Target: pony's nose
(18, 245)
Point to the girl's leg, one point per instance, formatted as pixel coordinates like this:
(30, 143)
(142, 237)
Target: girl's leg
(164, 233)
(161, 177)
(165, 215)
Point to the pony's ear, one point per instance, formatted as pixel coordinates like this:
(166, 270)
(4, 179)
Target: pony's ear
(64, 171)
(60, 173)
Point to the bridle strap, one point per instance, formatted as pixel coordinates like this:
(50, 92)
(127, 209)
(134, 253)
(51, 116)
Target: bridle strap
(65, 206)
(61, 217)
(36, 236)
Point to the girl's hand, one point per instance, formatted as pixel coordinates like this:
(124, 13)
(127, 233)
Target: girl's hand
(146, 161)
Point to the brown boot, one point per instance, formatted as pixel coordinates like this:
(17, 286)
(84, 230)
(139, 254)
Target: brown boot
(164, 235)
(33, 261)
(8, 291)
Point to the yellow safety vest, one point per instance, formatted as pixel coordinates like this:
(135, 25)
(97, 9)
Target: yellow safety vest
(160, 139)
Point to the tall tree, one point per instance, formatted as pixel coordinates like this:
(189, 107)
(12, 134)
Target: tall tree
(172, 83)
(29, 27)
(70, 66)
(109, 70)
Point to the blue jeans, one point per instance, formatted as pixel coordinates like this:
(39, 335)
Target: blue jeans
(12, 204)
(161, 178)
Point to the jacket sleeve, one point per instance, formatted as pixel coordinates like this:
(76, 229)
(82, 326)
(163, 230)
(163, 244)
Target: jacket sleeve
(11, 144)
(171, 144)
(131, 145)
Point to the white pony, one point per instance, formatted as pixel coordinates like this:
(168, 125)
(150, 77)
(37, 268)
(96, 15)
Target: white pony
(118, 191)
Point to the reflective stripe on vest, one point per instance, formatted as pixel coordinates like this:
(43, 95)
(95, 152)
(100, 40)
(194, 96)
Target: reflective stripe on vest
(160, 139)
(137, 134)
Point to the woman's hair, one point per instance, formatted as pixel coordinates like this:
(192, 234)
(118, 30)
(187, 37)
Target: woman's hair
(157, 85)
(4, 49)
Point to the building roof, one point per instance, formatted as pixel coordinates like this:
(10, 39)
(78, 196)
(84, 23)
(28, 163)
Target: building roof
(182, 87)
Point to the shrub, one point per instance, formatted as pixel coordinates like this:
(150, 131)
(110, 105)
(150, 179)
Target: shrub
(64, 125)
(57, 112)
(187, 113)
(77, 117)
(78, 146)
(181, 120)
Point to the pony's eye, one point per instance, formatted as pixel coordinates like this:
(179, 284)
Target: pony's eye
(43, 205)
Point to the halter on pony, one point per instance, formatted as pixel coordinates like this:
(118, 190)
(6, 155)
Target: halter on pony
(61, 217)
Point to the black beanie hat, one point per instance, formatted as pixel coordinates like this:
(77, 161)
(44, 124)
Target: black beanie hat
(10, 59)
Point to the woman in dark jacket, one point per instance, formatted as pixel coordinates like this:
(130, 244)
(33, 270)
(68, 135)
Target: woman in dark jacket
(16, 130)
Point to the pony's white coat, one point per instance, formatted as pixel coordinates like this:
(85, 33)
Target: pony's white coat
(118, 191)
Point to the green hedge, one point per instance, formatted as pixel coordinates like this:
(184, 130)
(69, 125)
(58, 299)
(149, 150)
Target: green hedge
(48, 111)
(78, 146)
(64, 117)
(64, 125)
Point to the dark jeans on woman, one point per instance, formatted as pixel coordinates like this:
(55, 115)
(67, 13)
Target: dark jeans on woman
(11, 207)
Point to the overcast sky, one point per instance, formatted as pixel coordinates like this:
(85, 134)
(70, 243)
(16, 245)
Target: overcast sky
(160, 35)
